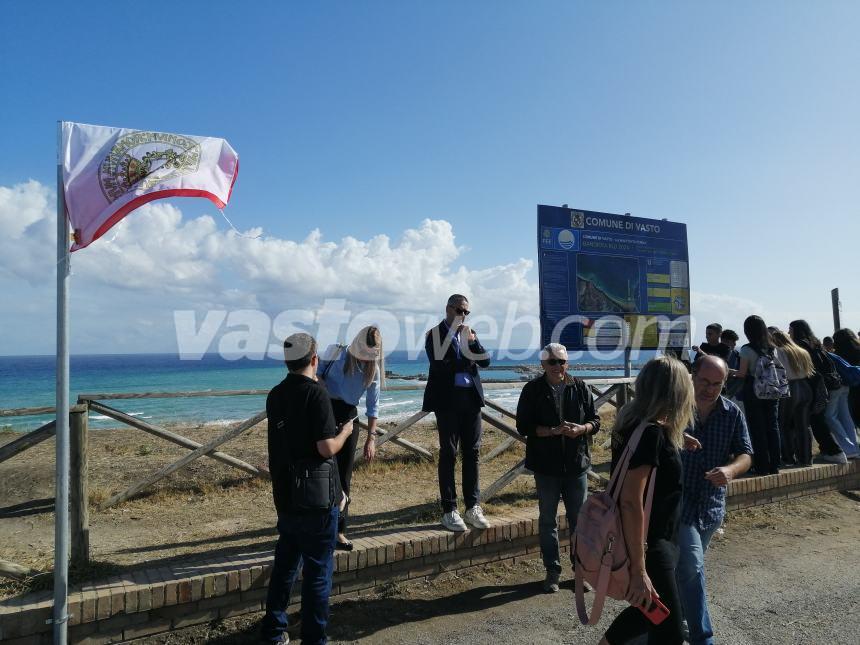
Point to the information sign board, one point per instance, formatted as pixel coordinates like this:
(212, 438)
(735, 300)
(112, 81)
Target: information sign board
(612, 281)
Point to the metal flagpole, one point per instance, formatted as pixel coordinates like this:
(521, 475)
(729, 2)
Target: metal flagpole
(61, 504)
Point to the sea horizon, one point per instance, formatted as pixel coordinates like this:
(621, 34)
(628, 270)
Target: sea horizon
(29, 381)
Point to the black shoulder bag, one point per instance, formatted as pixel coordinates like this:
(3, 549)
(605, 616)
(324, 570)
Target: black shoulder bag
(314, 484)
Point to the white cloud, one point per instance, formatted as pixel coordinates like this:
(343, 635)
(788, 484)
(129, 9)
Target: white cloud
(729, 311)
(28, 232)
(153, 250)
(169, 262)
(163, 262)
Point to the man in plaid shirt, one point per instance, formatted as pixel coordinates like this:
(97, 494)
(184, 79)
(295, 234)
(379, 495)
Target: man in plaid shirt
(721, 430)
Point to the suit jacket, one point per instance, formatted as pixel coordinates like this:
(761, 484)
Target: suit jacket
(444, 364)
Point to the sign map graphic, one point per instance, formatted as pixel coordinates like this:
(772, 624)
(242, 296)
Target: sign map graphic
(610, 281)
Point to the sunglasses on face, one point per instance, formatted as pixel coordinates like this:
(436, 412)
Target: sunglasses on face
(555, 361)
(460, 311)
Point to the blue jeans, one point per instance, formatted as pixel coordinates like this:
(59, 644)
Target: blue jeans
(839, 420)
(306, 541)
(570, 488)
(690, 574)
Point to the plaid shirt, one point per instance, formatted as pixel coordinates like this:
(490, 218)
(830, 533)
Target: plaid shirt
(722, 435)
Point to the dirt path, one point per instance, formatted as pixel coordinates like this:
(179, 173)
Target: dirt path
(785, 573)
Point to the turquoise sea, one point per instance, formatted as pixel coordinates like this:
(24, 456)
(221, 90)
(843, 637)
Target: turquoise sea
(28, 381)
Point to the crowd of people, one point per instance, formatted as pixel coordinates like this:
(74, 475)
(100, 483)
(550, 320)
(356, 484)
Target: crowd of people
(755, 408)
(792, 388)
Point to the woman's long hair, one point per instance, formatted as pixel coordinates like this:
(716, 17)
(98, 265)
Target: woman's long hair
(757, 334)
(365, 355)
(847, 345)
(802, 334)
(798, 359)
(663, 394)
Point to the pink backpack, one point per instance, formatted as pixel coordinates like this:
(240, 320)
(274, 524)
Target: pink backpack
(599, 551)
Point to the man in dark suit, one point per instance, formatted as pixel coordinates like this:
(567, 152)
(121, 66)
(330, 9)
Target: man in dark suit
(454, 393)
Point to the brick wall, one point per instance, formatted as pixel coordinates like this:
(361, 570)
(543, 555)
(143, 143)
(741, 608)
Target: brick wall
(147, 602)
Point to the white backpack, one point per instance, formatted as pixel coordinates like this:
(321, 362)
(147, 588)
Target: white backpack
(769, 379)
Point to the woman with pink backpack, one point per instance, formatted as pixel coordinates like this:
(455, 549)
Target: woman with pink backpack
(654, 421)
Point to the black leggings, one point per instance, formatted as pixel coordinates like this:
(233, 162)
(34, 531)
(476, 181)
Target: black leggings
(660, 561)
(764, 431)
(343, 412)
(794, 423)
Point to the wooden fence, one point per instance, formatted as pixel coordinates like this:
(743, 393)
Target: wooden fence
(78, 490)
(613, 391)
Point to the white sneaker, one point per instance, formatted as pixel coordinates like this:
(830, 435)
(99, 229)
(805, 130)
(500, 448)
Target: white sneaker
(550, 583)
(475, 517)
(453, 522)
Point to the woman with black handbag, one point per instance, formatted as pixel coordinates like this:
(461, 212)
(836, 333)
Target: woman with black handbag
(826, 374)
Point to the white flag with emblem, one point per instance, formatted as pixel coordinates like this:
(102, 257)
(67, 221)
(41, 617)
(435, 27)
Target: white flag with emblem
(108, 172)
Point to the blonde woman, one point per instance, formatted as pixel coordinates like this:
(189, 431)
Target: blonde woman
(664, 399)
(795, 410)
(348, 374)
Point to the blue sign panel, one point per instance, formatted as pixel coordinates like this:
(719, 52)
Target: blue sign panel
(610, 281)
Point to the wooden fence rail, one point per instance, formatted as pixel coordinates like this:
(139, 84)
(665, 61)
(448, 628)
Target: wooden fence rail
(27, 412)
(28, 440)
(78, 490)
(606, 390)
(232, 433)
(175, 438)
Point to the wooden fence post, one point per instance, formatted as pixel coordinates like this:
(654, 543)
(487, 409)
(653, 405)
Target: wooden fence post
(79, 490)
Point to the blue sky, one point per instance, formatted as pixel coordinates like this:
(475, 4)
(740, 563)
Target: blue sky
(365, 119)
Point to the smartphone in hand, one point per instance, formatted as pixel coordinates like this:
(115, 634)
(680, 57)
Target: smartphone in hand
(656, 612)
(347, 422)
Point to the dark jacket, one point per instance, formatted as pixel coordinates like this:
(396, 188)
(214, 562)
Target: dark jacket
(444, 364)
(555, 455)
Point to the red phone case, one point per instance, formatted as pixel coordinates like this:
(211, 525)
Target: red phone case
(657, 613)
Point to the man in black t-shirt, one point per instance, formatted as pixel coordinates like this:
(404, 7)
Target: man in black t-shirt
(712, 345)
(301, 428)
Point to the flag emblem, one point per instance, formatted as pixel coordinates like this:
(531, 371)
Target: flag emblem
(142, 160)
(109, 172)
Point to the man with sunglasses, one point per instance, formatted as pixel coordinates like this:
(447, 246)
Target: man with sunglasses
(556, 414)
(455, 394)
(724, 453)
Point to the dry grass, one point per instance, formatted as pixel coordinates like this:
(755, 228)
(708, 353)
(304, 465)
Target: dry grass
(209, 506)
